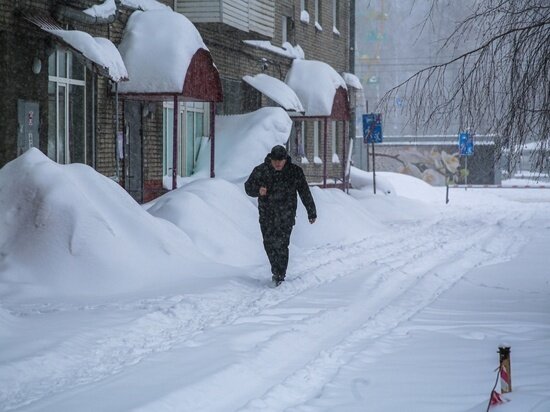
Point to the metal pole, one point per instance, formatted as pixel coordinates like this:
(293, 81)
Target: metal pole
(325, 146)
(93, 121)
(373, 170)
(175, 144)
(117, 173)
(466, 175)
(505, 369)
(344, 158)
(212, 138)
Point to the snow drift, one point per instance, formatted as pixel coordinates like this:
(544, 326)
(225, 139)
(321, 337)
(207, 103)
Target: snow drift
(243, 141)
(67, 230)
(218, 217)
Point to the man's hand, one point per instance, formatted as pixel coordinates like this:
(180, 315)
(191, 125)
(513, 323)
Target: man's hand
(312, 221)
(263, 191)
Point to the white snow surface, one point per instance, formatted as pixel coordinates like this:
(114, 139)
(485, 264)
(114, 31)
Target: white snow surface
(242, 142)
(157, 47)
(99, 50)
(352, 80)
(108, 7)
(276, 90)
(145, 5)
(315, 84)
(103, 10)
(288, 50)
(391, 303)
(67, 232)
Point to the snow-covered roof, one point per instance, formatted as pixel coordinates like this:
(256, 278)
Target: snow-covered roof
(276, 90)
(145, 5)
(99, 50)
(157, 47)
(288, 50)
(352, 80)
(108, 7)
(315, 84)
(103, 10)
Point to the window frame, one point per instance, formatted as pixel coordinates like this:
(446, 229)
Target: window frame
(65, 81)
(185, 142)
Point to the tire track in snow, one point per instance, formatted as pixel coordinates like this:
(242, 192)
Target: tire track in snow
(249, 370)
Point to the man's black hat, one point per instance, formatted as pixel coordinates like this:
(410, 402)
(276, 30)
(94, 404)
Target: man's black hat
(278, 153)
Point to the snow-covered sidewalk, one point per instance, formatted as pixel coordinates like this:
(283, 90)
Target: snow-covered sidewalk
(407, 318)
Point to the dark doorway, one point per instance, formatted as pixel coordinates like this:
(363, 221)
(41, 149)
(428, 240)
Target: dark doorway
(133, 154)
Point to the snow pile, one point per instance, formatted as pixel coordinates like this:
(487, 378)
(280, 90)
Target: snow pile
(108, 7)
(315, 83)
(242, 142)
(157, 48)
(395, 183)
(145, 5)
(352, 80)
(103, 10)
(276, 90)
(99, 50)
(218, 217)
(288, 50)
(66, 230)
(341, 220)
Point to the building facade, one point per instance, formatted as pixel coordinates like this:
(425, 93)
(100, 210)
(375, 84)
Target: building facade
(56, 99)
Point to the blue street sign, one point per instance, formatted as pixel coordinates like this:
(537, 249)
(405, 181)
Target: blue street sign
(465, 144)
(372, 128)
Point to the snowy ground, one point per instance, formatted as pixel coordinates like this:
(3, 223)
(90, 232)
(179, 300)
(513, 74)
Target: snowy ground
(406, 313)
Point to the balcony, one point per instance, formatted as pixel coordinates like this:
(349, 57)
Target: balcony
(256, 17)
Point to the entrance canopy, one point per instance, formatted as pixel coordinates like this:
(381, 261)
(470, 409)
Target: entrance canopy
(165, 56)
(99, 51)
(322, 91)
(276, 90)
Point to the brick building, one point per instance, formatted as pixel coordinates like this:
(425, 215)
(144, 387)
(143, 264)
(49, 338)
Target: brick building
(75, 104)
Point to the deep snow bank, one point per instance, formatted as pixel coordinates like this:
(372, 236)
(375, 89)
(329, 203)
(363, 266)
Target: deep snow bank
(397, 184)
(66, 230)
(341, 219)
(219, 219)
(242, 142)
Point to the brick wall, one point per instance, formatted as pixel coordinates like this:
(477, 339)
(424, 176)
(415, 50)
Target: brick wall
(234, 59)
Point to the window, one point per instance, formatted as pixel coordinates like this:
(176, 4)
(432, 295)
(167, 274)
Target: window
(67, 141)
(303, 5)
(336, 16)
(318, 14)
(287, 30)
(192, 127)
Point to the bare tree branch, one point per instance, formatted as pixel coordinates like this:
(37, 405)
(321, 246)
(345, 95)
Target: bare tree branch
(501, 86)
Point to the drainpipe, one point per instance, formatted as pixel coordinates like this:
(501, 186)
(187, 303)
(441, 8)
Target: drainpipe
(325, 148)
(117, 154)
(344, 159)
(93, 121)
(175, 145)
(212, 138)
(63, 12)
(353, 109)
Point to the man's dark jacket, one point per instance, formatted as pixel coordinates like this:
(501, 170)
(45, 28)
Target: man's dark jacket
(279, 205)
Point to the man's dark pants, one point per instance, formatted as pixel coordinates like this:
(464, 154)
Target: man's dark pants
(276, 240)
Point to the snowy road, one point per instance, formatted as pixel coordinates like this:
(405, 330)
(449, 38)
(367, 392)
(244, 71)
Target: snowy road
(319, 342)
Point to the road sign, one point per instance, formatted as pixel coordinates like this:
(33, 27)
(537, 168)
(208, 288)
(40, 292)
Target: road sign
(372, 128)
(465, 144)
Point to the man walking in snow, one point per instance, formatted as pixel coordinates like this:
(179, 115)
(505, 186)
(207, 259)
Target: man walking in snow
(275, 183)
